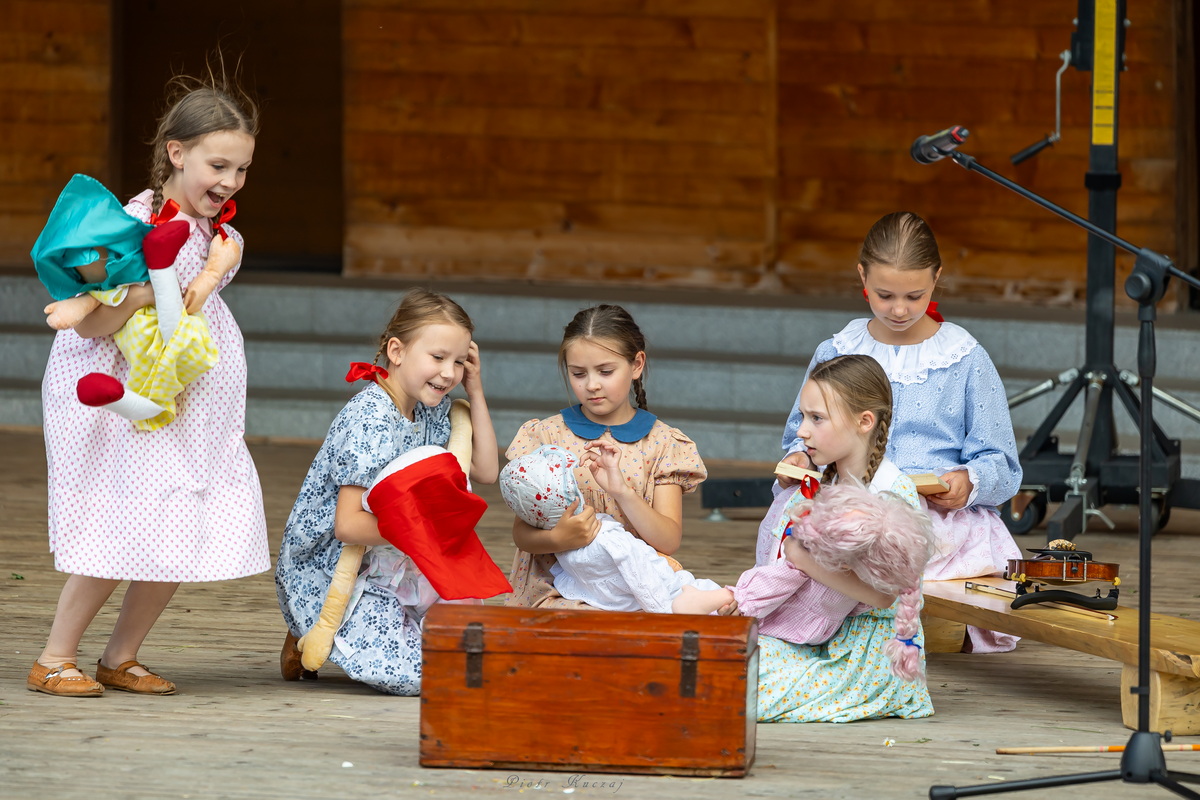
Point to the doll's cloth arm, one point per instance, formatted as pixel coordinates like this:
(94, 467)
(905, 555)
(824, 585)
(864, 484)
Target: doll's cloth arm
(223, 256)
(762, 590)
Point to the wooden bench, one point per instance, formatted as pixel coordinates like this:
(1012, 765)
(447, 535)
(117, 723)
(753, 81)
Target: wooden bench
(1174, 650)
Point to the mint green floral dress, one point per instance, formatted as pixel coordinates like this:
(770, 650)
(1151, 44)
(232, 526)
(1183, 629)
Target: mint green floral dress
(849, 677)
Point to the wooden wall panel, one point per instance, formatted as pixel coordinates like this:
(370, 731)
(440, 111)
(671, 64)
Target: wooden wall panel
(860, 80)
(608, 141)
(727, 143)
(743, 144)
(54, 110)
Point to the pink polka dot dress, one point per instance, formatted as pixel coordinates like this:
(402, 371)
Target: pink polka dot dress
(179, 504)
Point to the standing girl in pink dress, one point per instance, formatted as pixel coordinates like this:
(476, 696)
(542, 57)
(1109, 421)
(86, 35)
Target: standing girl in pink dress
(159, 507)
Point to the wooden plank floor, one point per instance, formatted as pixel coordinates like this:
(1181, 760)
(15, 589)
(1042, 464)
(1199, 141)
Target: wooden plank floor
(235, 730)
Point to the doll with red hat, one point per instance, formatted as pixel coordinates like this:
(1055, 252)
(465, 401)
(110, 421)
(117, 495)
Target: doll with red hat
(384, 523)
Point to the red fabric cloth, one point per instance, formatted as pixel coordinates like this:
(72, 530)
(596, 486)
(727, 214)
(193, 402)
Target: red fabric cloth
(426, 512)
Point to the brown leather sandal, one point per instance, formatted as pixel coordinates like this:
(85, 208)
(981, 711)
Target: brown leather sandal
(51, 680)
(119, 678)
(289, 661)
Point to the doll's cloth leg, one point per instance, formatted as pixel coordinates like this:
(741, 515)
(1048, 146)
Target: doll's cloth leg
(104, 391)
(160, 370)
(161, 247)
(972, 542)
(168, 303)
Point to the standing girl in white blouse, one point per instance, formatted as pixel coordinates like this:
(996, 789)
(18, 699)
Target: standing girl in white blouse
(951, 412)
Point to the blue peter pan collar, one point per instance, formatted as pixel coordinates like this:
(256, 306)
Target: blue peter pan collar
(634, 430)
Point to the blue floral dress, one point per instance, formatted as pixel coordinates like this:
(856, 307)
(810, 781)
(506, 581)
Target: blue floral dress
(379, 642)
(849, 677)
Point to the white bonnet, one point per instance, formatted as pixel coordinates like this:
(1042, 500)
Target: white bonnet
(539, 486)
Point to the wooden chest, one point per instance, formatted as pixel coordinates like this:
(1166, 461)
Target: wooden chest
(588, 691)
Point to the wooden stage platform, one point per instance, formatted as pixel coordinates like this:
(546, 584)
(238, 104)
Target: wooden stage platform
(235, 730)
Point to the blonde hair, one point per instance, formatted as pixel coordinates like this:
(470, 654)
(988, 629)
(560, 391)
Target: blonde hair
(417, 309)
(196, 108)
(613, 328)
(901, 240)
(857, 384)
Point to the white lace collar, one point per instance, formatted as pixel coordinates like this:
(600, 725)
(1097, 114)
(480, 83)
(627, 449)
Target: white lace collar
(907, 363)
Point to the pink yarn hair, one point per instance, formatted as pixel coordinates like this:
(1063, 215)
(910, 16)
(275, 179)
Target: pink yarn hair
(882, 540)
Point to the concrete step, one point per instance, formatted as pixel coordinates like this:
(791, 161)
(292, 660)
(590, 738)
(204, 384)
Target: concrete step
(724, 373)
(1038, 339)
(524, 378)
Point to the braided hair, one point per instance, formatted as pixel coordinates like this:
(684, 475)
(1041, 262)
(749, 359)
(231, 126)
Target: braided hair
(194, 109)
(613, 328)
(858, 384)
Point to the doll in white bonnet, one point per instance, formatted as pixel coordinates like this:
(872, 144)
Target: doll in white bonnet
(615, 572)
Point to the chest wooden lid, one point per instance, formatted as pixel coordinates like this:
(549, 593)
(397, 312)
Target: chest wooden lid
(535, 631)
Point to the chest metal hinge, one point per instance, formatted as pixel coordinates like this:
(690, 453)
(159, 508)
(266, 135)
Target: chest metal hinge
(689, 661)
(473, 647)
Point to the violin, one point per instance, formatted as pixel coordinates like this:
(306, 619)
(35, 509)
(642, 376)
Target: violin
(1061, 571)
(1060, 563)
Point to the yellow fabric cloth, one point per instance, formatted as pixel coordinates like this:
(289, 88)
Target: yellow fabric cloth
(111, 297)
(159, 371)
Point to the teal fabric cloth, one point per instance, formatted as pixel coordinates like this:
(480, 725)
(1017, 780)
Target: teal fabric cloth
(87, 216)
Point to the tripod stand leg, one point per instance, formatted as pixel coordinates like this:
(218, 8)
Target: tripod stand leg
(948, 792)
(1169, 781)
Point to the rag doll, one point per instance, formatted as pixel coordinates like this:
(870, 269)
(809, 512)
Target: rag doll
(90, 252)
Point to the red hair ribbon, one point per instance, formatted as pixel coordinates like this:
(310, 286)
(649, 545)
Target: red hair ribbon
(362, 371)
(930, 311)
(169, 210)
(809, 486)
(228, 211)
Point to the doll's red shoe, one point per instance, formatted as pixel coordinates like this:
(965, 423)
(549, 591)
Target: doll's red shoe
(162, 243)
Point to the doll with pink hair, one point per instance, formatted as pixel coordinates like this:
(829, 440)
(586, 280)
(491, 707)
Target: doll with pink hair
(879, 538)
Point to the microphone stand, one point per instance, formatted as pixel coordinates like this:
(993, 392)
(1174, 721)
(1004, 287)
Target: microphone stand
(1142, 760)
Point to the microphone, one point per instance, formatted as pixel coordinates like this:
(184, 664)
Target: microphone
(928, 149)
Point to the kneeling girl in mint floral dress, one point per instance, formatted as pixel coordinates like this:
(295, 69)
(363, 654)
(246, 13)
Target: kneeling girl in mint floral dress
(847, 407)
